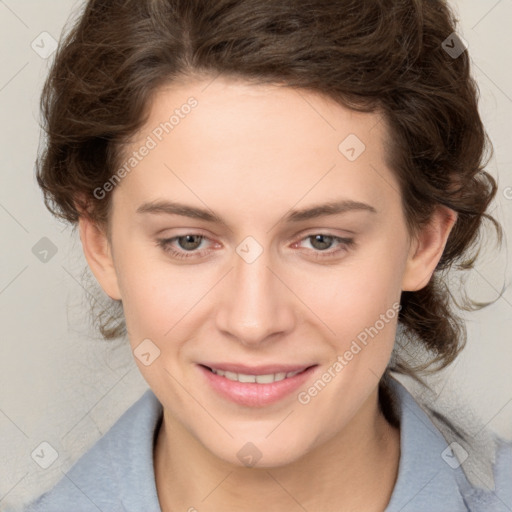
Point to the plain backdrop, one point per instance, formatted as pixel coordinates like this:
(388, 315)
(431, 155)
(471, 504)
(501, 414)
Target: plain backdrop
(60, 383)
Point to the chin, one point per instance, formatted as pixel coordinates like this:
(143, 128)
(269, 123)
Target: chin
(260, 452)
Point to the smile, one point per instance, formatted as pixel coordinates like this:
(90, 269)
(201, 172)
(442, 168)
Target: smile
(255, 386)
(259, 379)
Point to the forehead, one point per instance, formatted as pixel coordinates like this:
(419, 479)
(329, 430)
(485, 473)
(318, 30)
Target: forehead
(254, 143)
(229, 109)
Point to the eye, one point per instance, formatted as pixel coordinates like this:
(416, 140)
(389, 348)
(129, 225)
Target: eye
(321, 242)
(188, 245)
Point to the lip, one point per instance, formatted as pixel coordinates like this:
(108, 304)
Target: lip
(253, 394)
(257, 370)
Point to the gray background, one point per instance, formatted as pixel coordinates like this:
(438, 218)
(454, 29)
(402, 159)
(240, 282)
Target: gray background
(61, 384)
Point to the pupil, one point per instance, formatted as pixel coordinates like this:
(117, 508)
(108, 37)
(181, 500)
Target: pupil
(327, 240)
(188, 239)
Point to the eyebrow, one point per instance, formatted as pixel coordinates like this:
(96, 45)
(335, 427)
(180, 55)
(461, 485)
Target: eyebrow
(319, 210)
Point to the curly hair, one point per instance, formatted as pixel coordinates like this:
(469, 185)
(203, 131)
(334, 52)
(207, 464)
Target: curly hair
(384, 56)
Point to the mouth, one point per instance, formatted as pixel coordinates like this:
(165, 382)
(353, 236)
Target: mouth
(256, 376)
(255, 386)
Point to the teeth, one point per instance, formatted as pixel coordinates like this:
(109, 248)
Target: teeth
(246, 378)
(265, 379)
(260, 379)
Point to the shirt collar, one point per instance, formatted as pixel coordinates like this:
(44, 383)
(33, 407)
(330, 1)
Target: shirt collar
(429, 473)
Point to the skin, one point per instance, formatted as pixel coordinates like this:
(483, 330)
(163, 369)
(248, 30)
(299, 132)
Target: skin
(251, 153)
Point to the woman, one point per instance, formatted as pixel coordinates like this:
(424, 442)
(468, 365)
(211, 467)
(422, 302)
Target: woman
(271, 191)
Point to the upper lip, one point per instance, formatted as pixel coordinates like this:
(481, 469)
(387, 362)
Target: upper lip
(257, 370)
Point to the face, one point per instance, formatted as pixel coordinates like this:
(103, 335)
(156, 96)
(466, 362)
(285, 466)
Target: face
(253, 274)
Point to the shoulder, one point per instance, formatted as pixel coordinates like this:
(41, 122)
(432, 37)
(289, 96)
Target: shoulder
(117, 472)
(496, 497)
(432, 468)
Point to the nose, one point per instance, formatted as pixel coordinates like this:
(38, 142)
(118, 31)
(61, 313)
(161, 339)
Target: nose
(256, 305)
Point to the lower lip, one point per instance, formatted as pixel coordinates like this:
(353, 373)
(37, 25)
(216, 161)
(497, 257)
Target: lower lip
(252, 394)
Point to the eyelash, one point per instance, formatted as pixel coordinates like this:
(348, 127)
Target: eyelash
(165, 244)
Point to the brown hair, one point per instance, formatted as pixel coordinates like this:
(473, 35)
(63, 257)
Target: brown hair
(383, 56)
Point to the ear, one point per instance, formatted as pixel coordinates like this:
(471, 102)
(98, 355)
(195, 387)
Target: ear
(97, 251)
(427, 248)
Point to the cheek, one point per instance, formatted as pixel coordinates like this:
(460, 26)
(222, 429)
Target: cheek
(354, 295)
(156, 293)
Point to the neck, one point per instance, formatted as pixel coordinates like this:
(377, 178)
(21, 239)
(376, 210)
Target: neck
(354, 470)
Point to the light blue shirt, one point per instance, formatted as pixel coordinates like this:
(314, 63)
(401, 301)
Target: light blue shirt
(117, 474)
